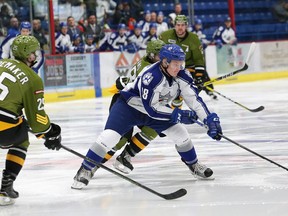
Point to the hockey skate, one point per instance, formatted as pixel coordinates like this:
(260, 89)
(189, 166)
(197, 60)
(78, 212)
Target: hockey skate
(7, 193)
(200, 171)
(123, 162)
(82, 178)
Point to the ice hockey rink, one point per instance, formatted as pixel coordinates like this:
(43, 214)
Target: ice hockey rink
(244, 184)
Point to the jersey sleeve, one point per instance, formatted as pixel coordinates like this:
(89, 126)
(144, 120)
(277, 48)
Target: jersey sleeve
(197, 52)
(190, 95)
(33, 101)
(5, 47)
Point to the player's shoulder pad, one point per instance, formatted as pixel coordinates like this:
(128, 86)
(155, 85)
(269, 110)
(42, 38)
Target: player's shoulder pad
(185, 75)
(114, 35)
(8, 38)
(221, 28)
(151, 75)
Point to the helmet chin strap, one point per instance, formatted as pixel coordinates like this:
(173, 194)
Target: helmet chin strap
(164, 65)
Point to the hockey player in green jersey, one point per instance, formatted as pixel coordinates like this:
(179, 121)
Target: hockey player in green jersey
(21, 88)
(191, 45)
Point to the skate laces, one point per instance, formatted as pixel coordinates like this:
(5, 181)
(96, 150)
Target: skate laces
(199, 168)
(127, 157)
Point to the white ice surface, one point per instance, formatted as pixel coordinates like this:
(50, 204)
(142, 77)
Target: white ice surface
(244, 184)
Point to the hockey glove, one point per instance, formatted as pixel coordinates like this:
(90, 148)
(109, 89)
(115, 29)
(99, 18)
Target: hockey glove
(214, 127)
(183, 116)
(121, 82)
(218, 44)
(53, 137)
(199, 78)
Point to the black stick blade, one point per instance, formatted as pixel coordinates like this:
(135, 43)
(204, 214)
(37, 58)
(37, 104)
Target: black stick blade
(175, 195)
(257, 109)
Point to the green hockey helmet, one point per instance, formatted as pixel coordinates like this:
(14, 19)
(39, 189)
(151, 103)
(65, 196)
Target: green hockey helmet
(23, 46)
(181, 19)
(154, 47)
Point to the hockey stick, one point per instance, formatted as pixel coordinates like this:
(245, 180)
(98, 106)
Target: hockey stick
(245, 67)
(258, 109)
(177, 194)
(253, 152)
(243, 147)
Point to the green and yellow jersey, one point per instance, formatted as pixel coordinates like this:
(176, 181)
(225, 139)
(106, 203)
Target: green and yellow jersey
(190, 44)
(138, 67)
(21, 88)
(133, 73)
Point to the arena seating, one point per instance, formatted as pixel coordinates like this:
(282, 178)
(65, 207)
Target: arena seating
(254, 19)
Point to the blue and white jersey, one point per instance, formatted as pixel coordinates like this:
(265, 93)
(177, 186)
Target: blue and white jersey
(226, 35)
(89, 48)
(62, 42)
(148, 37)
(161, 27)
(145, 25)
(152, 92)
(117, 42)
(133, 38)
(6, 52)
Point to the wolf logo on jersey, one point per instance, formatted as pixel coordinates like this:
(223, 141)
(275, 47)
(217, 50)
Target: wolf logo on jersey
(147, 78)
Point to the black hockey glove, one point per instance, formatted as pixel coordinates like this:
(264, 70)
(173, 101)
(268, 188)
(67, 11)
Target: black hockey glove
(121, 82)
(53, 137)
(199, 78)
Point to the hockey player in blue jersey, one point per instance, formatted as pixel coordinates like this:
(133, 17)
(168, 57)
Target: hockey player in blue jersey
(6, 52)
(145, 102)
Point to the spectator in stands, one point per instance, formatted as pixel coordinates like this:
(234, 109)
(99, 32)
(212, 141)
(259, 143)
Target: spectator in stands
(225, 34)
(104, 10)
(172, 16)
(119, 14)
(14, 27)
(280, 10)
(161, 24)
(150, 35)
(5, 51)
(135, 39)
(5, 17)
(197, 29)
(81, 25)
(89, 45)
(146, 22)
(137, 9)
(57, 25)
(5, 48)
(62, 39)
(131, 23)
(122, 14)
(153, 17)
(94, 29)
(72, 28)
(39, 33)
(118, 40)
(9, 7)
(90, 6)
(77, 45)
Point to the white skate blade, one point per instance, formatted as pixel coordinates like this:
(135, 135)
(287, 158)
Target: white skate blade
(117, 165)
(77, 185)
(5, 200)
(202, 178)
